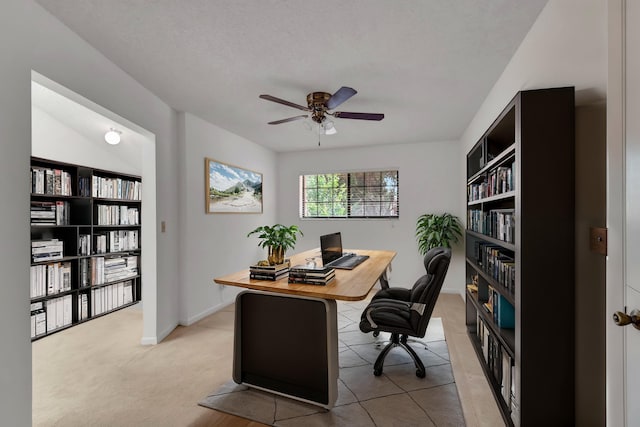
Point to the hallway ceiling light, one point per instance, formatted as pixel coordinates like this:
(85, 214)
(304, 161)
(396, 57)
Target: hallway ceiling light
(112, 136)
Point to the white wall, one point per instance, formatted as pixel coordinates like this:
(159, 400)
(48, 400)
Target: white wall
(51, 139)
(429, 182)
(212, 245)
(33, 40)
(566, 46)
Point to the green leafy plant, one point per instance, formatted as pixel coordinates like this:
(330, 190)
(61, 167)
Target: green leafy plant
(434, 230)
(277, 238)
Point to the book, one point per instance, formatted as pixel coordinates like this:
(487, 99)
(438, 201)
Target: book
(271, 268)
(311, 275)
(302, 268)
(311, 281)
(268, 275)
(504, 313)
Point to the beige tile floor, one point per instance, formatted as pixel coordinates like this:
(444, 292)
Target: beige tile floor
(98, 374)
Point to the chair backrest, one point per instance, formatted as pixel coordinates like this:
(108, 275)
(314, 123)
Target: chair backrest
(427, 289)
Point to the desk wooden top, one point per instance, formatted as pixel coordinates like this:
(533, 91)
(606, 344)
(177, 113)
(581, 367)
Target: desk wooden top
(349, 285)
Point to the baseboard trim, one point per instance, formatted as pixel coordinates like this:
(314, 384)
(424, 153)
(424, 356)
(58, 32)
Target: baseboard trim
(155, 340)
(193, 319)
(149, 341)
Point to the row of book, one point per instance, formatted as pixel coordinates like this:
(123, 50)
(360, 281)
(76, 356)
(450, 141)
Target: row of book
(50, 279)
(497, 223)
(56, 313)
(50, 213)
(50, 181)
(83, 307)
(500, 309)
(497, 262)
(38, 319)
(311, 275)
(118, 215)
(117, 241)
(499, 181)
(500, 364)
(84, 244)
(110, 297)
(47, 316)
(105, 270)
(46, 250)
(116, 188)
(84, 186)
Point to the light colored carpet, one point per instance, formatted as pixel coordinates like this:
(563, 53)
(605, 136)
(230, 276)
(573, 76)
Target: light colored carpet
(139, 386)
(396, 398)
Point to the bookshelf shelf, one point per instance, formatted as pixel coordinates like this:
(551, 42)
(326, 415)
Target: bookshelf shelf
(506, 245)
(506, 336)
(501, 196)
(520, 194)
(499, 287)
(64, 220)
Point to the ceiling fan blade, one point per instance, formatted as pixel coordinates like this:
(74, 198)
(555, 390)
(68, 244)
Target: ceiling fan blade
(340, 96)
(283, 102)
(290, 119)
(358, 116)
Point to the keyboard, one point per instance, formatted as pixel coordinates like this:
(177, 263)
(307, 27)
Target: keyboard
(348, 261)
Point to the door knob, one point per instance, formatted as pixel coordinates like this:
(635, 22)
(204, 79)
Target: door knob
(623, 319)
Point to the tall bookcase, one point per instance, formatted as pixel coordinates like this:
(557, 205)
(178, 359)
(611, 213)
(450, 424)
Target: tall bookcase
(85, 244)
(520, 257)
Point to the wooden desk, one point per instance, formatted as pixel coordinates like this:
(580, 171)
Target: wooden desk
(350, 285)
(286, 335)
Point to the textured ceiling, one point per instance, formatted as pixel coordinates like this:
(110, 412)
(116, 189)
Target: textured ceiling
(426, 64)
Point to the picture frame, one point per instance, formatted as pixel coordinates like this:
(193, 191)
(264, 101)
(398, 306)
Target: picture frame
(231, 189)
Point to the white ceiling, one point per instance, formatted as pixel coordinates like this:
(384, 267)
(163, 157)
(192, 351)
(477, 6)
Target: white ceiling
(426, 64)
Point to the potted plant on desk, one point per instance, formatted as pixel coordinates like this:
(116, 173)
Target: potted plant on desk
(434, 230)
(277, 238)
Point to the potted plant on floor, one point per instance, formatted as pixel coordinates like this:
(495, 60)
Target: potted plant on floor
(277, 238)
(434, 230)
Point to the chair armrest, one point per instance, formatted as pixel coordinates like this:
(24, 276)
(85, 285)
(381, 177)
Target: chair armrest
(384, 305)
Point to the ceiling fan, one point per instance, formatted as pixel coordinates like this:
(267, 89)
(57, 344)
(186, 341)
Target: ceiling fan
(319, 104)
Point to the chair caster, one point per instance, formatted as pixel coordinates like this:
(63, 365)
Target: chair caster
(419, 373)
(378, 372)
(376, 333)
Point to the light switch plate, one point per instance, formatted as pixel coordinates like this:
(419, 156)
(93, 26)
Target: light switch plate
(598, 240)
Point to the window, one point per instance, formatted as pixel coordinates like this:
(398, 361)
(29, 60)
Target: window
(350, 195)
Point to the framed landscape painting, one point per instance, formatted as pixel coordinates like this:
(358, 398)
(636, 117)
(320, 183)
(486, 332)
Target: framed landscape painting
(231, 189)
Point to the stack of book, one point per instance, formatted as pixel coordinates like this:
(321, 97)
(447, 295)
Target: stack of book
(311, 275)
(268, 272)
(46, 250)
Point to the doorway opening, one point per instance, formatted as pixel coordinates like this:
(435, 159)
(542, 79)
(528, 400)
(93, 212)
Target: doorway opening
(68, 127)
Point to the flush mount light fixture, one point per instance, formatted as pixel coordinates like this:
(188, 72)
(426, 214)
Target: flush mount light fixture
(112, 136)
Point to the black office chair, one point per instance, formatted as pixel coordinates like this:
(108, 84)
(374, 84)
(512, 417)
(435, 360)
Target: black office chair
(406, 312)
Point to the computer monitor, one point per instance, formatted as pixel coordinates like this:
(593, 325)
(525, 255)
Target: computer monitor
(330, 247)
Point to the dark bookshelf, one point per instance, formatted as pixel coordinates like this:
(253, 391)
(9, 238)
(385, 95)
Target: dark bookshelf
(530, 366)
(75, 215)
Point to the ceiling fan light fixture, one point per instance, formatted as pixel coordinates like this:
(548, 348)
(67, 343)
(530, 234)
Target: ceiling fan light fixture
(329, 128)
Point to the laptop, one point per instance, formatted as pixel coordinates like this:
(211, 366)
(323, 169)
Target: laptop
(332, 255)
